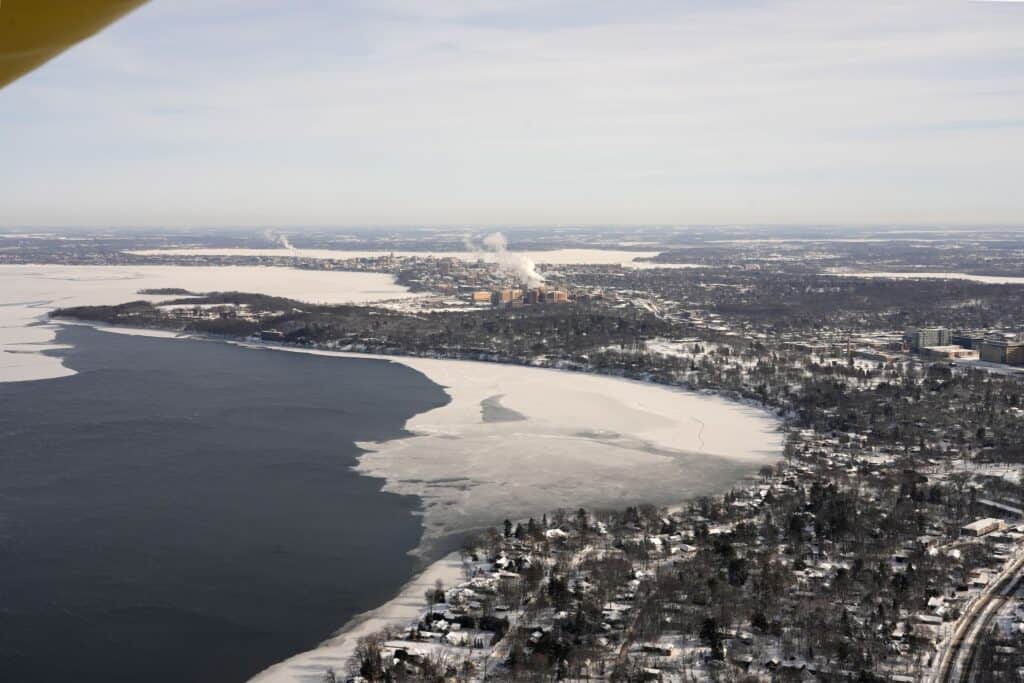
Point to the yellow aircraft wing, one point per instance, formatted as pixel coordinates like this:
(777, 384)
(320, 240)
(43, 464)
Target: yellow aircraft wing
(35, 31)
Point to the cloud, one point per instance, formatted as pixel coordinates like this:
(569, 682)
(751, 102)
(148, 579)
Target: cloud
(585, 112)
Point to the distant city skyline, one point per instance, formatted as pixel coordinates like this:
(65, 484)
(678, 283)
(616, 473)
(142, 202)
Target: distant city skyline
(253, 113)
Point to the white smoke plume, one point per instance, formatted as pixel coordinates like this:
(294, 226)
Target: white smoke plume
(281, 240)
(495, 250)
(496, 242)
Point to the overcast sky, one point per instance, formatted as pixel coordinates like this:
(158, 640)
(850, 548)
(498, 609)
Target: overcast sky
(327, 112)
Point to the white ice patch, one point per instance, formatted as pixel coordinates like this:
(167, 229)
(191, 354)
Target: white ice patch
(584, 439)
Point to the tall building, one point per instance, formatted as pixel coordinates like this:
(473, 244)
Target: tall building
(917, 338)
(508, 296)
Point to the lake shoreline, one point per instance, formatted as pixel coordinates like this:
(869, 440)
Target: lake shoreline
(196, 505)
(404, 607)
(396, 614)
(29, 292)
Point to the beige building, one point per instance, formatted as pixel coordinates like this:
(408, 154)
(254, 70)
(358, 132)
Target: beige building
(982, 527)
(507, 296)
(999, 351)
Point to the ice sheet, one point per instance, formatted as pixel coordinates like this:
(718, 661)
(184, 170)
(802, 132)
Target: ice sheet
(27, 293)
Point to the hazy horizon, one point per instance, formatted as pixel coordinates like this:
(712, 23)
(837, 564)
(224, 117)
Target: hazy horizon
(396, 114)
(287, 229)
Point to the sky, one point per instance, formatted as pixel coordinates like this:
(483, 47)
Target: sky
(538, 112)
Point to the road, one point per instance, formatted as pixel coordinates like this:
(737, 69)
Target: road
(956, 659)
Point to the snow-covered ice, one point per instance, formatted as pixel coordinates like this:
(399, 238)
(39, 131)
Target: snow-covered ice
(27, 293)
(573, 439)
(560, 439)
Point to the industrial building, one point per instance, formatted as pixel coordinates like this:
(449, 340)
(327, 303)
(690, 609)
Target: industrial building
(517, 297)
(507, 296)
(982, 527)
(1002, 351)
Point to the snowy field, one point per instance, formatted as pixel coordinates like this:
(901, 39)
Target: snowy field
(985, 279)
(27, 293)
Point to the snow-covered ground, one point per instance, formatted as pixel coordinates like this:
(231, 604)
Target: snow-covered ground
(27, 293)
(914, 275)
(679, 348)
(995, 368)
(648, 265)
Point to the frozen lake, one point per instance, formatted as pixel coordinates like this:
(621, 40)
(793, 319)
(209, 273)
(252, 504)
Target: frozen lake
(27, 293)
(179, 510)
(509, 442)
(516, 440)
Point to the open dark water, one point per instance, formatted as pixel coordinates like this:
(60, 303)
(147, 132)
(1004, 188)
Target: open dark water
(184, 510)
